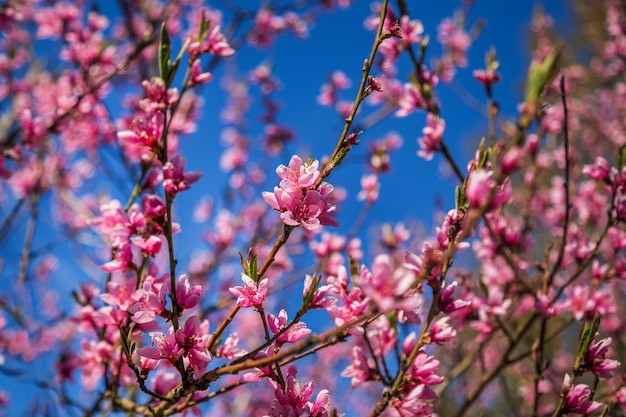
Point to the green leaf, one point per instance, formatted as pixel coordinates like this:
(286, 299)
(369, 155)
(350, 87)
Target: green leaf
(165, 49)
(204, 27)
(540, 74)
(586, 337)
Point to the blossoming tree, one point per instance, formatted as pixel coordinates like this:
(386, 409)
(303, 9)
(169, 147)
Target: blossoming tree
(512, 305)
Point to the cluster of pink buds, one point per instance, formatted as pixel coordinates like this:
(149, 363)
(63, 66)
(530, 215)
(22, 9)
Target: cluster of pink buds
(298, 199)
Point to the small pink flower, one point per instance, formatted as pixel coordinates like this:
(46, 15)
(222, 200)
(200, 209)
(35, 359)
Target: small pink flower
(486, 77)
(145, 131)
(370, 188)
(595, 361)
(441, 331)
(577, 400)
(150, 245)
(187, 296)
(193, 339)
(165, 347)
(251, 294)
(296, 332)
(361, 368)
(158, 97)
(410, 101)
(174, 177)
(433, 132)
(298, 175)
(216, 43)
(196, 76)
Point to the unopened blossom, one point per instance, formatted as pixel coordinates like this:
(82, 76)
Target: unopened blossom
(250, 294)
(174, 177)
(577, 400)
(447, 304)
(595, 361)
(373, 84)
(486, 77)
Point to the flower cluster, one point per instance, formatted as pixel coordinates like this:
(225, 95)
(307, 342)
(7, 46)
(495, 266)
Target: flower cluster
(299, 198)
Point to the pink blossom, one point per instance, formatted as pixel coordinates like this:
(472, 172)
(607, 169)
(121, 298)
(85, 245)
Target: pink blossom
(599, 170)
(165, 347)
(577, 400)
(455, 39)
(251, 294)
(298, 175)
(158, 97)
(413, 404)
(595, 361)
(441, 331)
(174, 177)
(361, 368)
(294, 400)
(150, 304)
(486, 77)
(229, 349)
(389, 286)
(370, 188)
(320, 299)
(196, 76)
(311, 209)
(193, 339)
(620, 398)
(217, 44)
(266, 26)
(447, 304)
(150, 245)
(145, 131)
(392, 238)
(120, 292)
(294, 333)
(433, 132)
(410, 101)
